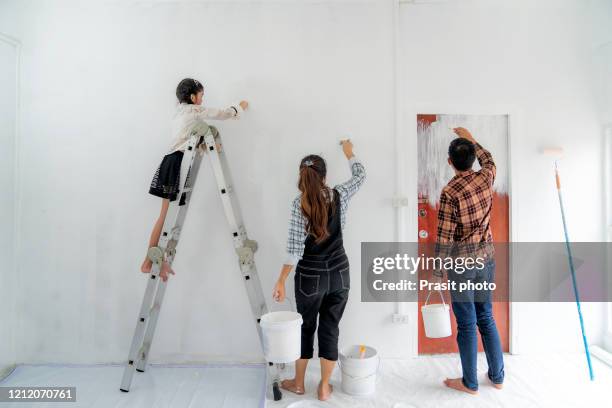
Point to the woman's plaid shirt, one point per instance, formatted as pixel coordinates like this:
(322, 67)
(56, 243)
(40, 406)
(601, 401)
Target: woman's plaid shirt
(297, 222)
(465, 211)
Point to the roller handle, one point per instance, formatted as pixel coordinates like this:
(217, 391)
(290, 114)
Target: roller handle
(557, 178)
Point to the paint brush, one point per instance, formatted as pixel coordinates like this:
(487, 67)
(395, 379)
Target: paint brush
(362, 351)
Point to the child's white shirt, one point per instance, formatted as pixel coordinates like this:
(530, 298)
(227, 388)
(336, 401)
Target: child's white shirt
(188, 115)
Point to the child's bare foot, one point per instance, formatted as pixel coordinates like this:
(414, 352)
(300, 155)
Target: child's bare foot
(146, 266)
(165, 270)
(457, 384)
(290, 385)
(324, 391)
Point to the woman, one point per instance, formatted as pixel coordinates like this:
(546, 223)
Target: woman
(322, 278)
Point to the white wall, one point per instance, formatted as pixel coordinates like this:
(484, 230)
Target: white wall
(98, 84)
(8, 70)
(99, 87)
(536, 61)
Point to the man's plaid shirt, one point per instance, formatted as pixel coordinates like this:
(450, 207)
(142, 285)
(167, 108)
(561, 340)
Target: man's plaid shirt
(465, 211)
(297, 223)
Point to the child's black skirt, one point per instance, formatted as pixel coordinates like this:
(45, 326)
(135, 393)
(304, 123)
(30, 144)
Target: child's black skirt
(167, 178)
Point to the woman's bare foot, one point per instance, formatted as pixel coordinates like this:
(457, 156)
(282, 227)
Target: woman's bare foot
(146, 266)
(291, 386)
(457, 384)
(165, 271)
(324, 391)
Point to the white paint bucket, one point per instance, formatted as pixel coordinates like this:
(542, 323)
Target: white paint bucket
(436, 318)
(282, 336)
(359, 374)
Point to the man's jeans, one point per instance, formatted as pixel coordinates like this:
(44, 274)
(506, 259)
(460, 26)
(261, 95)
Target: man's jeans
(473, 308)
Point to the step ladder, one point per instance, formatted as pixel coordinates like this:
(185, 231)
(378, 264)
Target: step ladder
(203, 138)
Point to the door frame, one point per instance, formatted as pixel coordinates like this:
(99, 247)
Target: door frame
(408, 169)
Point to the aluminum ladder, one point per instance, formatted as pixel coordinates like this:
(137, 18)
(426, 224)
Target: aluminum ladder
(203, 138)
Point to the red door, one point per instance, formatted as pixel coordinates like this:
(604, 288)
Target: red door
(428, 222)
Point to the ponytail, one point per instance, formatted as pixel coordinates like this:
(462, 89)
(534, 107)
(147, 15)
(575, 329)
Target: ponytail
(316, 200)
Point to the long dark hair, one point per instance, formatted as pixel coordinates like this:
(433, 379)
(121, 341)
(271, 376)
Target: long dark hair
(186, 88)
(316, 197)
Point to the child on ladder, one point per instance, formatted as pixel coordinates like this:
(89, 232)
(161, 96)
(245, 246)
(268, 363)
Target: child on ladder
(165, 184)
(322, 278)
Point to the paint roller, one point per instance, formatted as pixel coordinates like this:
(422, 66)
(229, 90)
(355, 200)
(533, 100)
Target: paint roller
(557, 152)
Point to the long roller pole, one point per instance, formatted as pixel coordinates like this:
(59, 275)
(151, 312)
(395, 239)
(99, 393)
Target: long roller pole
(573, 272)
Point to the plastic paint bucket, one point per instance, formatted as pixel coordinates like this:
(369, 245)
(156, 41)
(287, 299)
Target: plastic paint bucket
(436, 319)
(359, 374)
(282, 336)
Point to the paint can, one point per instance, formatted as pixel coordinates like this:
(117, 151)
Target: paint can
(282, 336)
(436, 318)
(359, 370)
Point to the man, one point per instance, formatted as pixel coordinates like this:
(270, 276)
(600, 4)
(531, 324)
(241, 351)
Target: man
(463, 229)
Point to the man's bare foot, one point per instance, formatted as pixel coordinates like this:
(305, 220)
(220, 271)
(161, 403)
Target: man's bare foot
(146, 266)
(457, 384)
(498, 386)
(165, 271)
(291, 386)
(324, 391)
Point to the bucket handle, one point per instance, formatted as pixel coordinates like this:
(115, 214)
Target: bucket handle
(361, 378)
(441, 297)
(291, 303)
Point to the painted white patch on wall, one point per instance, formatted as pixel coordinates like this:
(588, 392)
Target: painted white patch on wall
(491, 131)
